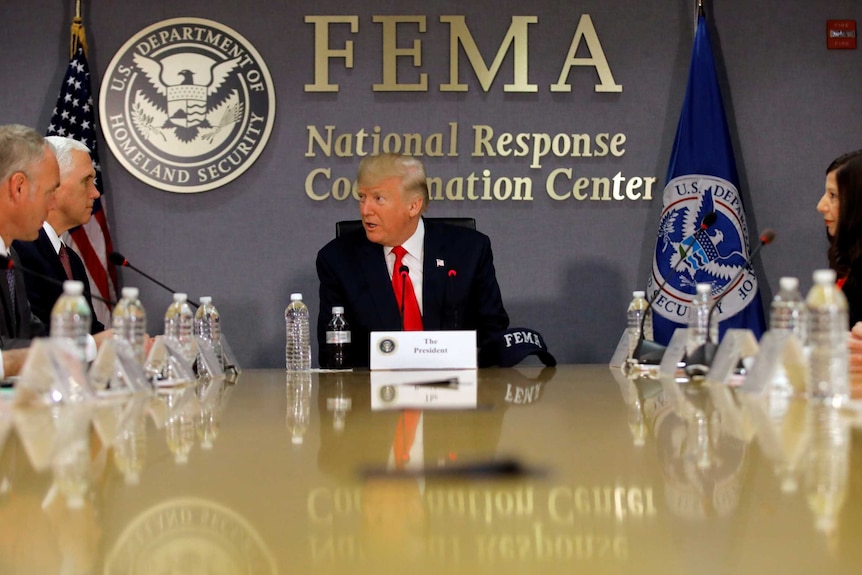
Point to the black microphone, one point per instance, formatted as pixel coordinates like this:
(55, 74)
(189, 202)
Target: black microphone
(118, 259)
(9, 264)
(450, 297)
(405, 272)
(650, 352)
(697, 363)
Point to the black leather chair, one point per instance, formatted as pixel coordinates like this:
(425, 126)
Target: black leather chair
(348, 226)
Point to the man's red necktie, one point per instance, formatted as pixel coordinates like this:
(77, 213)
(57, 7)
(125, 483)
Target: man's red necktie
(401, 284)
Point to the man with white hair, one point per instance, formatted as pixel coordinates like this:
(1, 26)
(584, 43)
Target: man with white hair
(48, 255)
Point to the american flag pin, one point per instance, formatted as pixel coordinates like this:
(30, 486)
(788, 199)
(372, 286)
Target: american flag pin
(441, 264)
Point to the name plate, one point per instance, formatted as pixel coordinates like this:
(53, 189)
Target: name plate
(423, 350)
(428, 389)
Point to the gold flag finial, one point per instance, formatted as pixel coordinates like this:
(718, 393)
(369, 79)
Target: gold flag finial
(79, 38)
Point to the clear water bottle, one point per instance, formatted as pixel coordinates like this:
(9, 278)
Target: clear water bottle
(698, 318)
(637, 309)
(179, 322)
(337, 340)
(828, 362)
(297, 349)
(129, 322)
(788, 310)
(208, 325)
(70, 316)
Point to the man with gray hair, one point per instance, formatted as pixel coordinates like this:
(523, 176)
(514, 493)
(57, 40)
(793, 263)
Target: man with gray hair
(48, 255)
(29, 176)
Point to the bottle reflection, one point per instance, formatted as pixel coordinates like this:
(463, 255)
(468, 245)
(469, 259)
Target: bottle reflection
(130, 449)
(826, 465)
(298, 416)
(180, 423)
(213, 398)
(702, 458)
(338, 404)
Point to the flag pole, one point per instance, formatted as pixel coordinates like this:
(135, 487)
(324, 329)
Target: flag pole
(78, 37)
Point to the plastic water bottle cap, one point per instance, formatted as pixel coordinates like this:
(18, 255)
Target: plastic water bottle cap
(824, 277)
(206, 300)
(180, 297)
(73, 287)
(295, 296)
(130, 292)
(704, 288)
(788, 283)
(638, 294)
(337, 309)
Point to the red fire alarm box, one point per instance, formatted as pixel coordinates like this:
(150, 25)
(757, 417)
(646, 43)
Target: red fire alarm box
(841, 34)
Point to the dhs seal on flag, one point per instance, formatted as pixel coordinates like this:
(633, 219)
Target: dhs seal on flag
(688, 253)
(187, 105)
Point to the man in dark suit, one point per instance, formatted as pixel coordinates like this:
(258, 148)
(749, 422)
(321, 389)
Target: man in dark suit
(29, 175)
(72, 207)
(451, 268)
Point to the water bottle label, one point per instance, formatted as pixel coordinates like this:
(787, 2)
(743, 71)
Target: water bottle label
(338, 337)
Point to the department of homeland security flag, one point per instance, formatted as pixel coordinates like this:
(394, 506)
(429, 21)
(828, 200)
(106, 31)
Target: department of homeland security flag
(74, 118)
(702, 178)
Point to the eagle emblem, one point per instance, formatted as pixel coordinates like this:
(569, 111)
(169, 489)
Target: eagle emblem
(194, 100)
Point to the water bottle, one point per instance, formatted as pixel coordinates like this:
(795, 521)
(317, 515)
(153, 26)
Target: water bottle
(208, 325)
(70, 316)
(788, 310)
(179, 322)
(129, 322)
(698, 318)
(637, 309)
(828, 363)
(337, 340)
(297, 350)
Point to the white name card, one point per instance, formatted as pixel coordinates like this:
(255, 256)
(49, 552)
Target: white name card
(423, 350)
(427, 389)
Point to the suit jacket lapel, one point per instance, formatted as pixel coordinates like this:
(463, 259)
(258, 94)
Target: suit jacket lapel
(434, 278)
(46, 249)
(373, 264)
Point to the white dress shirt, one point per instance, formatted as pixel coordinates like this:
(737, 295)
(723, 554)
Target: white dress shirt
(413, 259)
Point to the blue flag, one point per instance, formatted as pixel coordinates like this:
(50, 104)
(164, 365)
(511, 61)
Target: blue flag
(702, 179)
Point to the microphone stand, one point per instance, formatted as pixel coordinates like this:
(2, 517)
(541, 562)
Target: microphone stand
(650, 352)
(698, 362)
(10, 264)
(404, 271)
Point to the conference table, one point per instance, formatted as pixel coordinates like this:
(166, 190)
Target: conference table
(572, 469)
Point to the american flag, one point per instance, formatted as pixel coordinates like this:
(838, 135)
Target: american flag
(74, 117)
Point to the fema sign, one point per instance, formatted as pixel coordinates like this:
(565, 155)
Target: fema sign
(187, 105)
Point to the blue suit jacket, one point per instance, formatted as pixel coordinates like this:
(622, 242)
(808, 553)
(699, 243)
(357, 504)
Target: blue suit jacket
(39, 256)
(353, 274)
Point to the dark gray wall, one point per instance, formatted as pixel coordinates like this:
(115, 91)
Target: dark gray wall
(566, 268)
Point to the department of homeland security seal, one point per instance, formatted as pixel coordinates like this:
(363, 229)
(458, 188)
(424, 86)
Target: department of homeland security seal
(687, 254)
(190, 535)
(187, 105)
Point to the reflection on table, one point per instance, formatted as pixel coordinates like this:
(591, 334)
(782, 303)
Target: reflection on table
(554, 470)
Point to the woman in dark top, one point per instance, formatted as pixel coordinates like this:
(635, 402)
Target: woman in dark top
(841, 206)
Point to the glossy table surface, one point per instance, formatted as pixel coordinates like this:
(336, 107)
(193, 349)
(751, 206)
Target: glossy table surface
(573, 469)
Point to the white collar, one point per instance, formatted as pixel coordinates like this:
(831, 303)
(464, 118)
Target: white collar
(415, 244)
(52, 235)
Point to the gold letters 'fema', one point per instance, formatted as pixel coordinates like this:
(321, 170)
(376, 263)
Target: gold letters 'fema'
(461, 38)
